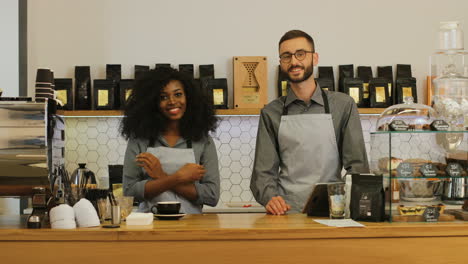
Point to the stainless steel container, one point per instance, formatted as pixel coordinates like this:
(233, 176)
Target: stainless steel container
(23, 147)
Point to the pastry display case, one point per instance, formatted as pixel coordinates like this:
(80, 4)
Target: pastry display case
(425, 173)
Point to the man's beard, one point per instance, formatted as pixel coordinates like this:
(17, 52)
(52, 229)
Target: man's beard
(307, 73)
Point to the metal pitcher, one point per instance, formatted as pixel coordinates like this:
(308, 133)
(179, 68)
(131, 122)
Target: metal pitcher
(80, 178)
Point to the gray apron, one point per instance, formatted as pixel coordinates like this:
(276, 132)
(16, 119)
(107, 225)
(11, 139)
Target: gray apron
(309, 154)
(172, 159)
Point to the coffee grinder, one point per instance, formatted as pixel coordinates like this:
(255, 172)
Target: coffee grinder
(39, 205)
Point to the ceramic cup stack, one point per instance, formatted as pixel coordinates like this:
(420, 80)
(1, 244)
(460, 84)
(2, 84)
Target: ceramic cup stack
(85, 214)
(62, 217)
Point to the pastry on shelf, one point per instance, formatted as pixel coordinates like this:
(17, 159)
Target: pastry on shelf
(418, 209)
(385, 163)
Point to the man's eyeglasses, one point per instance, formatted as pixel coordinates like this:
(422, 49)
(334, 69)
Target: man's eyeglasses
(300, 55)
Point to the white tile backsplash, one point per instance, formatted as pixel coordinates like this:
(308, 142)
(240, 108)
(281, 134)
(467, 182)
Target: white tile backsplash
(97, 142)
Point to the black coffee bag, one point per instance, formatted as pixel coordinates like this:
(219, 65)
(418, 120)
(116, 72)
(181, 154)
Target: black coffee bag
(406, 87)
(344, 71)
(82, 88)
(365, 74)
(354, 88)
(186, 69)
(282, 83)
(140, 70)
(387, 73)
(103, 94)
(378, 89)
(326, 72)
(367, 198)
(64, 89)
(325, 84)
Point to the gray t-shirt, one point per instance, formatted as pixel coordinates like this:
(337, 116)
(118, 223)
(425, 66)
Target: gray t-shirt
(348, 132)
(134, 178)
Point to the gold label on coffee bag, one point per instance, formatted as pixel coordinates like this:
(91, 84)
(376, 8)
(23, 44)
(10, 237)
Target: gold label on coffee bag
(103, 98)
(325, 88)
(62, 96)
(389, 89)
(284, 88)
(365, 90)
(127, 94)
(354, 93)
(407, 91)
(380, 94)
(218, 96)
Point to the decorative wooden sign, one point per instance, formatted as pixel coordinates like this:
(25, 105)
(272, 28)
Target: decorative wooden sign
(250, 82)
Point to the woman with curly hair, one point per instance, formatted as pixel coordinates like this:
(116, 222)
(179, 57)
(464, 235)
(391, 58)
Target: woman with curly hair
(170, 155)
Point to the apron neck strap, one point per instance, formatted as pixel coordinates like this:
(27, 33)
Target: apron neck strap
(325, 104)
(189, 143)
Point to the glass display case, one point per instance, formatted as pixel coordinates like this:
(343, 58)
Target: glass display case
(425, 173)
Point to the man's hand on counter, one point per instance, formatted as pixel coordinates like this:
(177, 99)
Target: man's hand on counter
(277, 206)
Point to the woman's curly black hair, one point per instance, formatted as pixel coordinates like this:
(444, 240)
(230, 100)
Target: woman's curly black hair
(143, 118)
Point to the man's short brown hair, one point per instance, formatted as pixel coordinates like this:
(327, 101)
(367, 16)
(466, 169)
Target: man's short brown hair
(296, 33)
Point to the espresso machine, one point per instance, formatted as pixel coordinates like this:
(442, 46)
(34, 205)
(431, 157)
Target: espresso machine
(27, 132)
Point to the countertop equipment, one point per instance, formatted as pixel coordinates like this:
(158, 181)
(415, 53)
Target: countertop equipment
(26, 130)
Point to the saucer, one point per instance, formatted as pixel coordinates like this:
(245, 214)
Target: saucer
(169, 216)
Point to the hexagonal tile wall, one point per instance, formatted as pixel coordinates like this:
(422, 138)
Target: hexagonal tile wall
(97, 142)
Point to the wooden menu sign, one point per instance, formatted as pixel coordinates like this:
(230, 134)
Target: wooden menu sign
(250, 82)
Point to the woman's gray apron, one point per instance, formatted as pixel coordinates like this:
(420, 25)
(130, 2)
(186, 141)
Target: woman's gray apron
(172, 159)
(309, 154)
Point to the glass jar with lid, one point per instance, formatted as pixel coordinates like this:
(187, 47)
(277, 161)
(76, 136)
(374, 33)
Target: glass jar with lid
(415, 116)
(450, 86)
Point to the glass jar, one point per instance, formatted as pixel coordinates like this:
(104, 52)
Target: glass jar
(416, 116)
(450, 92)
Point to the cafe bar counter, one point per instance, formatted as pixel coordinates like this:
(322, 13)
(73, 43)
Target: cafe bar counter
(236, 238)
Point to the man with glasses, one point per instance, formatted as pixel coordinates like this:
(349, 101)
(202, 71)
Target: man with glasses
(305, 137)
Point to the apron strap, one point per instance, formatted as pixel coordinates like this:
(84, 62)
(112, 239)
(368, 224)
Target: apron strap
(325, 104)
(189, 143)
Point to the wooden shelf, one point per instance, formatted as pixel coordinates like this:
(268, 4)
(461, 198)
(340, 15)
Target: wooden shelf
(221, 112)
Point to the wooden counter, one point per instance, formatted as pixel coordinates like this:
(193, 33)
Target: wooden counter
(238, 238)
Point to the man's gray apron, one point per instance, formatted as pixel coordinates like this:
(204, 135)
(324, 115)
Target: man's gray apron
(172, 159)
(309, 154)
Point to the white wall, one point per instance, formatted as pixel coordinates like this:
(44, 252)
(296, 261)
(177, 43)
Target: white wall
(9, 53)
(65, 33)
(9, 71)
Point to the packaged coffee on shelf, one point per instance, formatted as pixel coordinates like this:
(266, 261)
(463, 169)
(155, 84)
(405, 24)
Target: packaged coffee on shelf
(126, 86)
(140, 70)
(378, 89)
(403, 71)
(354, 88)
(162, 65)
(206, 71)
(367, 198)
(64, 90)
(365, 74)
(186, 69)
(114, 73)
(82, 88)
(103, 94)
(405, 84)
(387, 72)
(325, 84)
(344, 71)
(326, 73)
(406, 87)
(218, 89)
(283, 83)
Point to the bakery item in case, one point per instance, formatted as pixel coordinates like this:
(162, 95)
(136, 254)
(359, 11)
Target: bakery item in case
(385, 163)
